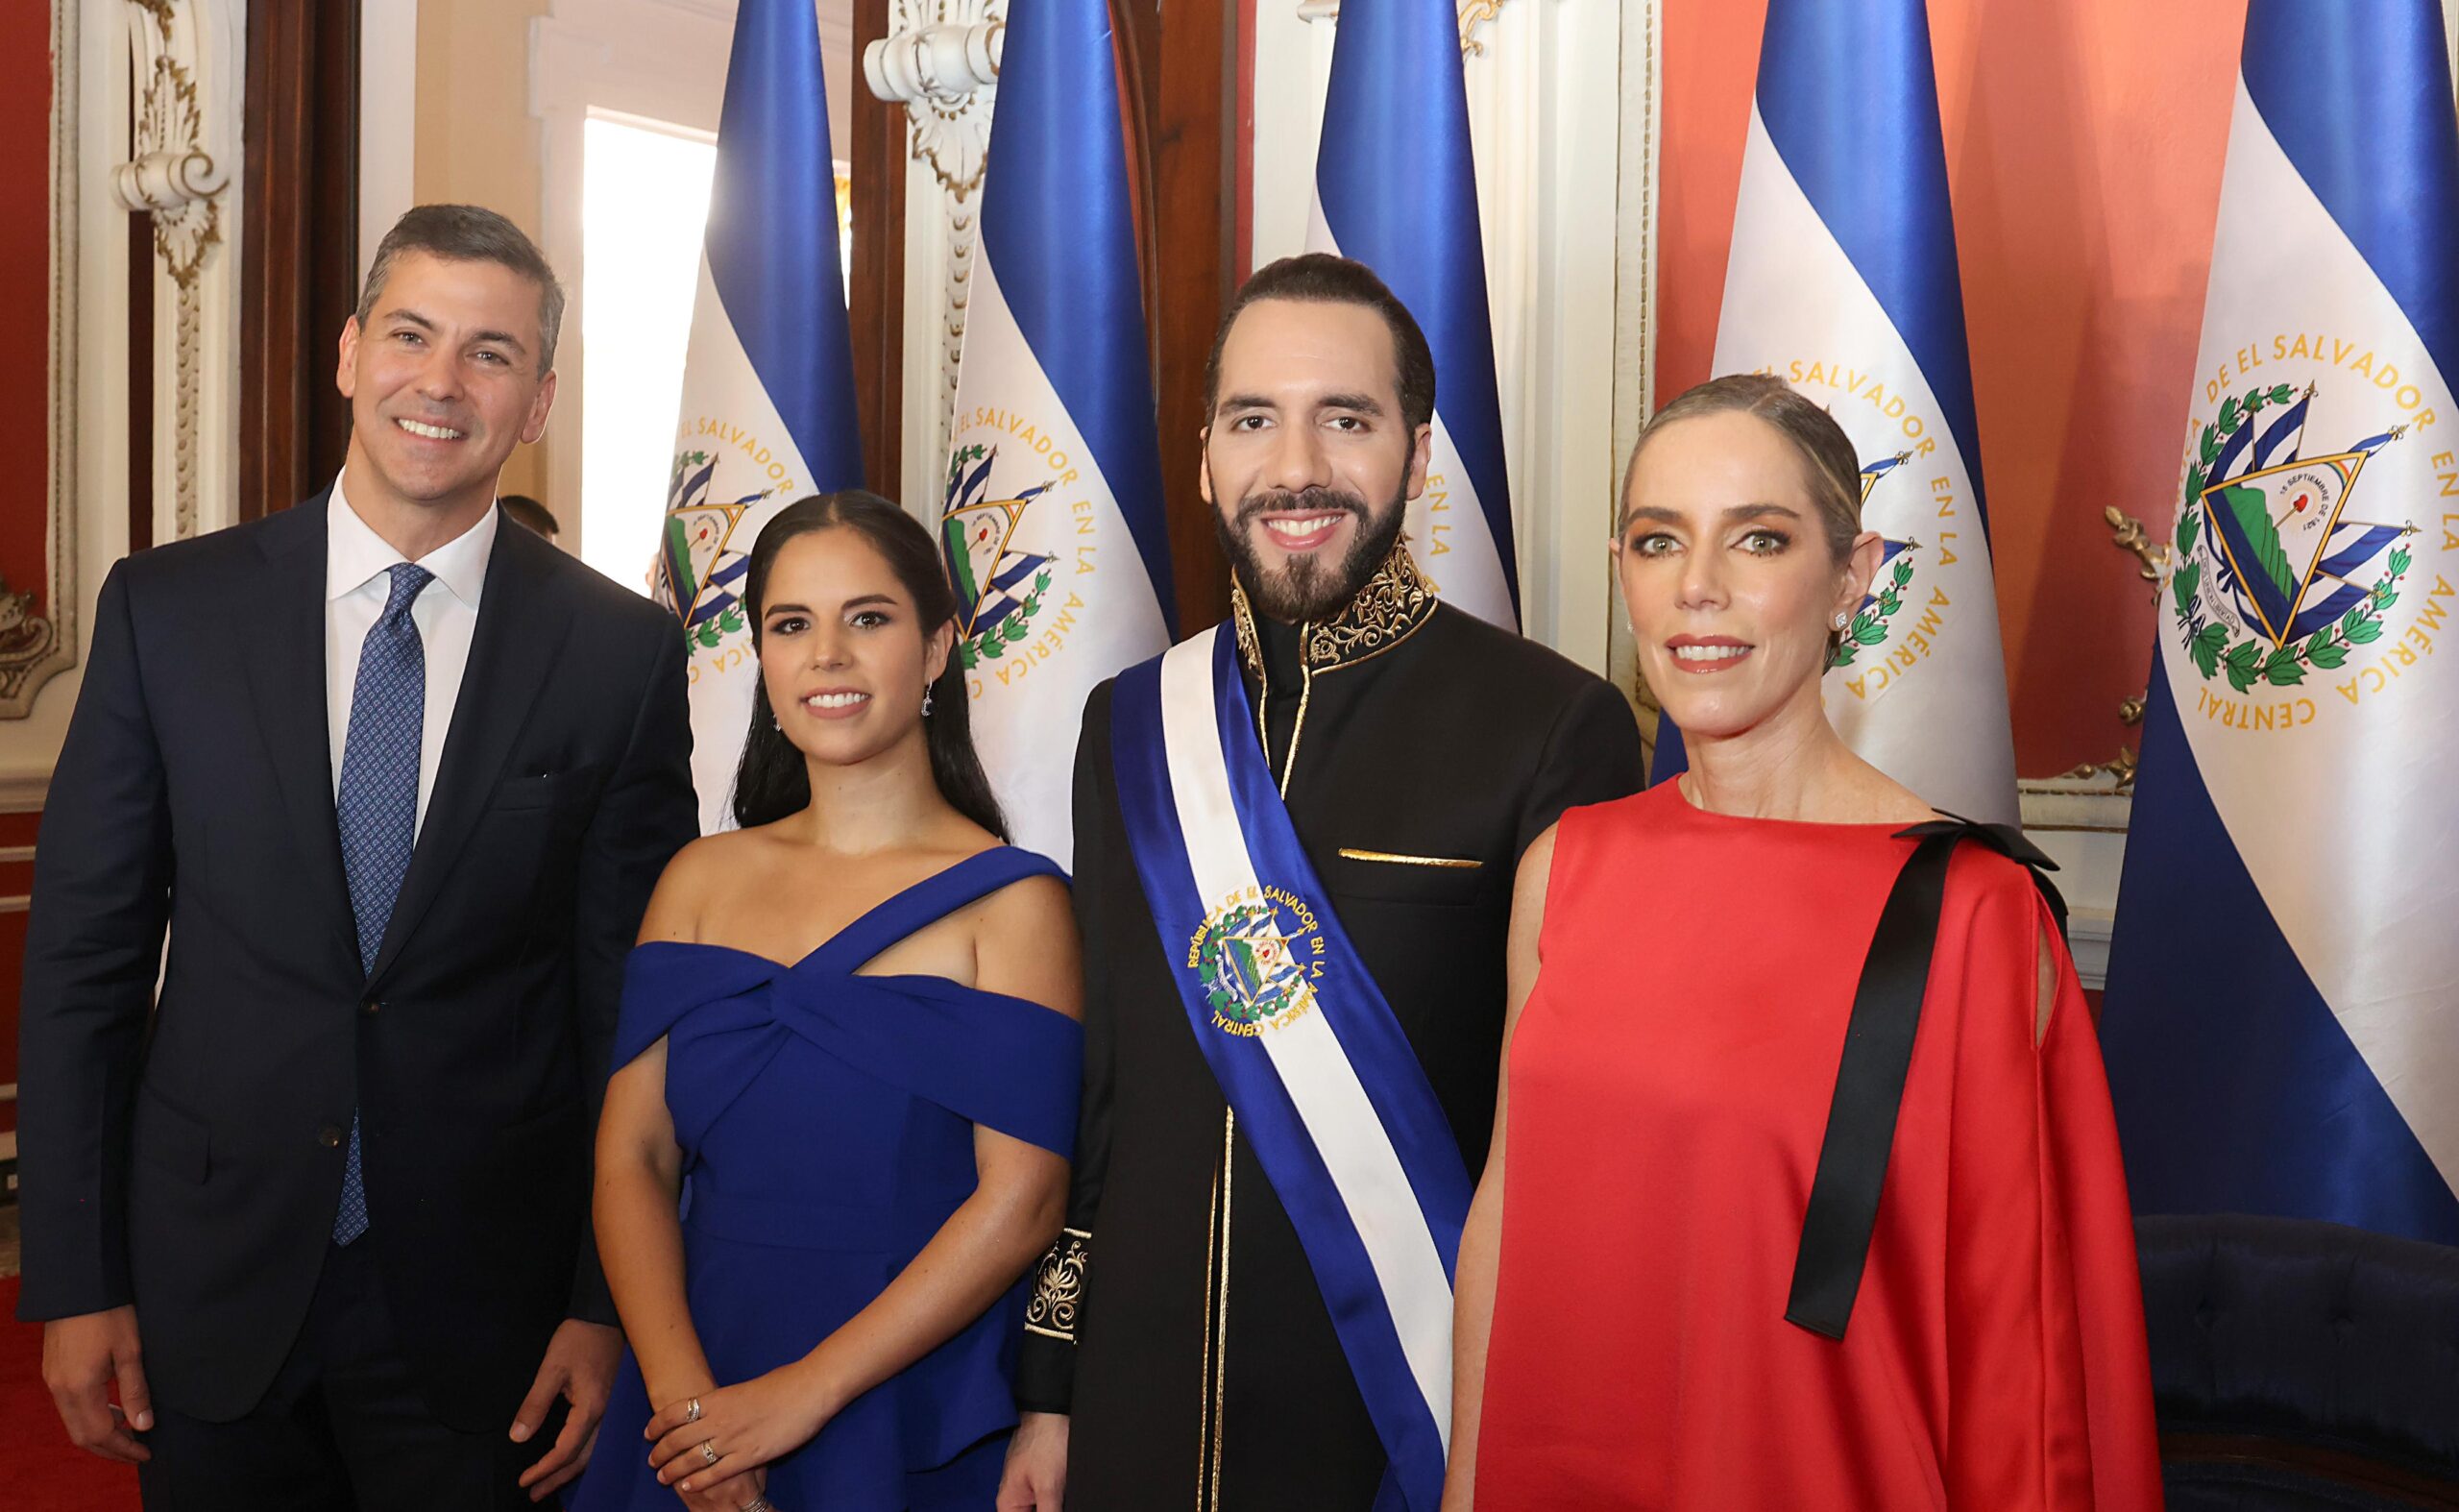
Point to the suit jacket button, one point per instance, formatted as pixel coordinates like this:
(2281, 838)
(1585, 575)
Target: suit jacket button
(370, 1007)
(329, 1136)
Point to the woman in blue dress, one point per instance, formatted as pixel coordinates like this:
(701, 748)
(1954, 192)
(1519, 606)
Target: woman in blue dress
(849, 1052)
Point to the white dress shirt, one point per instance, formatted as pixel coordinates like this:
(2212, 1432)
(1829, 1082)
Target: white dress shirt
(357, 581)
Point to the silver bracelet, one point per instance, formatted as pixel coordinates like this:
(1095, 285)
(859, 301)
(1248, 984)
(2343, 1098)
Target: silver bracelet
(758, 1503)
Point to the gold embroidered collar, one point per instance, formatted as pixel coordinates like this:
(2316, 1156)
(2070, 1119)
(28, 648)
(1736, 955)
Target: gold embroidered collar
(1387, 611)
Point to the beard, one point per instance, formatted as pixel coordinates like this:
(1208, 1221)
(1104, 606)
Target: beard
(1307, 589)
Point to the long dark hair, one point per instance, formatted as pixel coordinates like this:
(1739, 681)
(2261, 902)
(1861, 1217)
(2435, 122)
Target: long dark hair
(772, 781)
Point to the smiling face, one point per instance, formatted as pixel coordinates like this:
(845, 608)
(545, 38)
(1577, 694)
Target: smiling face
(444, 378)
(1732, 588)
(1307, 461)
(843, 654)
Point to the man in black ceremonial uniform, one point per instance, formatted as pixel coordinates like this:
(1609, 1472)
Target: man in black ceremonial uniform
(1178, 1352)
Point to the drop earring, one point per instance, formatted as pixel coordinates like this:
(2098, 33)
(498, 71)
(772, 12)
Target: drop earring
(926, 700)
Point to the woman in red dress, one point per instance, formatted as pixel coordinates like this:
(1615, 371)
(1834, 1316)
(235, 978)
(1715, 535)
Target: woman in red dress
(1725, 1257)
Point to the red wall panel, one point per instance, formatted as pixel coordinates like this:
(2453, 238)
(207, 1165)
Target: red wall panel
(25, 288)
(25, 375)
(2085, 141)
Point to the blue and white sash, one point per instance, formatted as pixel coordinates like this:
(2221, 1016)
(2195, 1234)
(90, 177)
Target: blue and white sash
(1322, 1080)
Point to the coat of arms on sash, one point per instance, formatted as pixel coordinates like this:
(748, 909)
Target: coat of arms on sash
(998, 588)
(1255, 959)
(2278, 571)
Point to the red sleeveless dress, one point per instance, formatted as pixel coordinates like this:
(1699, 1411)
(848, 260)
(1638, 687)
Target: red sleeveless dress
(1669, 1083)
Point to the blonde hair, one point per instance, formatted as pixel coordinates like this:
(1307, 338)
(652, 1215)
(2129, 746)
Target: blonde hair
(1830, 471)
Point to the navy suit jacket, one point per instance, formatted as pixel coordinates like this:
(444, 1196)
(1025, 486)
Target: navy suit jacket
(186, 1153)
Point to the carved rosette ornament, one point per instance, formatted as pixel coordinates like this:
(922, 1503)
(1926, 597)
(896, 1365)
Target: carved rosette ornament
(177, 174)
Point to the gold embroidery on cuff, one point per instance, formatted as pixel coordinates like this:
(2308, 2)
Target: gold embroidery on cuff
(1058, 1287)
(1454, 863)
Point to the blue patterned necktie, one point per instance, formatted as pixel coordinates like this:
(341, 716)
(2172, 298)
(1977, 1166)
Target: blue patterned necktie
(378, 806)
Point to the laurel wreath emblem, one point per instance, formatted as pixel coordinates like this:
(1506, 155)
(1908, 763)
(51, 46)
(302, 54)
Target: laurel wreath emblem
(1869, 626)
(2209, 643)
(709, 634)
(991, 644)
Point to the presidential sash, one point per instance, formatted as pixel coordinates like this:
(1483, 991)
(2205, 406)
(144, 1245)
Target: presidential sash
(1317, 1069)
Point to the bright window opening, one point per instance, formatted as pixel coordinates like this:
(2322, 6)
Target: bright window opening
(645, 196)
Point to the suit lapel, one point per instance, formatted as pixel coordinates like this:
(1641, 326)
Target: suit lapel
(284, 655)
(521, 629)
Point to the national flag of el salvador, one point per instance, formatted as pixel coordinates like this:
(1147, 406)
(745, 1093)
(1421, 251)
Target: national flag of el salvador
(1396, 187)
(2281, 1024)
(1842, 281)
(767, 412)
(1050, 517)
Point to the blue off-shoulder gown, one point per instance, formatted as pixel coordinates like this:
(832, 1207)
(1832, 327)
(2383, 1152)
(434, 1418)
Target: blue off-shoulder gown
(826, 1121)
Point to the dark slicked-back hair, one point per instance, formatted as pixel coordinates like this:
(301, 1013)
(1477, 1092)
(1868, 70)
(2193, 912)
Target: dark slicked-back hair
(1319, 278)
(470, 233)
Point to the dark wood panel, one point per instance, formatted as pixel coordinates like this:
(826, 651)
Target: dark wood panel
(1135, 36)
(876, 292)
(140, 381)
(1192, 190)
(298, 249)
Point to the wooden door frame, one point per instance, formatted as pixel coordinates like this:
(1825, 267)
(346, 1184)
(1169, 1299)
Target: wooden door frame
(298, 249)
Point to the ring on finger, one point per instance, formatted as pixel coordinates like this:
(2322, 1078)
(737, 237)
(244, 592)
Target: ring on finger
(709, 1450)
(692, 1411)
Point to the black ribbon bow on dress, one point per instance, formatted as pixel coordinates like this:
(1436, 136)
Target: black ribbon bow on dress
(1878, 1053)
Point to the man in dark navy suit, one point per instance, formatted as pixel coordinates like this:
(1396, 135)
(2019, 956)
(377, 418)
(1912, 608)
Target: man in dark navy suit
(397, 778)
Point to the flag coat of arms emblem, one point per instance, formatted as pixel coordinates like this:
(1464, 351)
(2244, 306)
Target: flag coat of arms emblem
(1843, 281)
(1051, 515)
(2282, 1017)
(768, 411)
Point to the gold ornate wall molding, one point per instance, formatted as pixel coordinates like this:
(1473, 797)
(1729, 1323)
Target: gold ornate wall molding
(33, 648)
(1473, 13)
(185, 73)
(940, 62)
(1635, 323)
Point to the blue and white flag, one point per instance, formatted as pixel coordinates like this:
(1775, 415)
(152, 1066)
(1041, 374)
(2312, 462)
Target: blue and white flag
(1308, 1053)
(768, 411)
(1843, 281)
(1051, 519)
(1396, 187)
(2282, 1021)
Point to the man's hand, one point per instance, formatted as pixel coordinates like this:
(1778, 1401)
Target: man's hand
(82, 1357)
(579, 1367)
(1035, 1479)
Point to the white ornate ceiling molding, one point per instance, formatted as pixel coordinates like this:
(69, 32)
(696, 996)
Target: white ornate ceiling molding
(185, 69)
(34, 646)
(1473, 13)
(940, 62)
